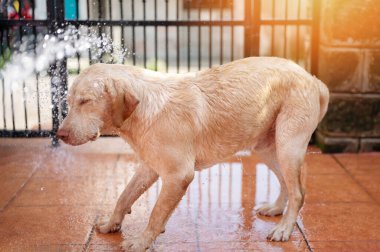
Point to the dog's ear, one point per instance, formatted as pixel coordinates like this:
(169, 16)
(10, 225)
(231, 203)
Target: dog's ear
(123, 103)
(130, 104)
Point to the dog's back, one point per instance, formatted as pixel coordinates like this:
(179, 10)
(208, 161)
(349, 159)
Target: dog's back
(242, 100)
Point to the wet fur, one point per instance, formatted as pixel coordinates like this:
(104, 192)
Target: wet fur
(179, 123)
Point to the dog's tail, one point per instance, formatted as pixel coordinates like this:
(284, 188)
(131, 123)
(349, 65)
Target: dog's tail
(324, 97)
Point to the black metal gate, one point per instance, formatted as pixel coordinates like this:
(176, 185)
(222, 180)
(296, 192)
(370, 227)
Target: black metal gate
(163, 35)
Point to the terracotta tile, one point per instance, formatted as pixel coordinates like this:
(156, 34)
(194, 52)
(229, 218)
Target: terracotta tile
(24, 143)
(22, 227)
(371, 183)
(322, 164)
(64, 163)
(227, 226)
(341, 222)
(20, 162)
(44, 247)
(19, 169)
(334, 188)
(8, 189)
(113, 145)
(312, 149)
(367, 163)
(82, 191)
(365, 169)
(216, 214)
(105, 247)
(102, 242)
(346, 246)
(254, 246)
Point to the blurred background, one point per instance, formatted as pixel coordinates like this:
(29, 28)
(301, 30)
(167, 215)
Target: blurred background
(336, 40)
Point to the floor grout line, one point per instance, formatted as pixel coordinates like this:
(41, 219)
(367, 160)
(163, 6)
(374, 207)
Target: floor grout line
(89, 236)
(350, 174)
(21, 187)
(304, 237)
(92, 231)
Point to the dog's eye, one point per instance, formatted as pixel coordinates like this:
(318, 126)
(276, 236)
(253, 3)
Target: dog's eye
(84, 101)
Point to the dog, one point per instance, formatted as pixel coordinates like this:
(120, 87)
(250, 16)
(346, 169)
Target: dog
(181, 123)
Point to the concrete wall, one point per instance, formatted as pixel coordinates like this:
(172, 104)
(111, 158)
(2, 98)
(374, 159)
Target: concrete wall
(350, 66)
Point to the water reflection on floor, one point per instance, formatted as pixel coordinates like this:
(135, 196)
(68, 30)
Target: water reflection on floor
(51, 198)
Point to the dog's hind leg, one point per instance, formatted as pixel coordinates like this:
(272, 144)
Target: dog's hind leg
(277, 207)
(294, 127)
(140, 182)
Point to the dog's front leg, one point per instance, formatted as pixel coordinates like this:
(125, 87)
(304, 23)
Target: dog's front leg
(174, 186)
(140, 182)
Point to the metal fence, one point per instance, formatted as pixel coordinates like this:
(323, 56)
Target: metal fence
(163, 35)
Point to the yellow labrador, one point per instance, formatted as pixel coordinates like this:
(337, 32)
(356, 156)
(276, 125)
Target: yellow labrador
(181, 123)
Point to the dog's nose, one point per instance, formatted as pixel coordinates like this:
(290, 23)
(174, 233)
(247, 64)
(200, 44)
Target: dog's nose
(63, 134)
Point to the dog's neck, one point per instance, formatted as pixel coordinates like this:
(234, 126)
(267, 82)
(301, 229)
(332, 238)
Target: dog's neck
(154, 91)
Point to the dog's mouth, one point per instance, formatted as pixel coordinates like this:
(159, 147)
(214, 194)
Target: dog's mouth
(95, 136)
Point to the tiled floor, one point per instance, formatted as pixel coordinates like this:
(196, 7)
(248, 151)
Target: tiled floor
(50, 199)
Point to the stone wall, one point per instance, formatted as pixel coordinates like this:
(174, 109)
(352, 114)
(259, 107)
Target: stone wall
(350, 66)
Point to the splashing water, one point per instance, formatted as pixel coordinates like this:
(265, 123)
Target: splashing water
(49, 48)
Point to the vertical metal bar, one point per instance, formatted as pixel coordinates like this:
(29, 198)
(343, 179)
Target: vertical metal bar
(166, 36)
(177, 13)
(199, 37)
(221, 32)
(59, 83)
(78, 60)
(133, 33)
(144, 31)
(23, 87)
(12, 108)
(100, 15)
(188, 39)
(3, 99)
(55, 108)
(25, 109)
(51, 12)
(88, 18)
(77, 9)
(33, 6)
(88, 9)
(21, 5)
(1, 40)
(2, 82)
(63, 87)
(155, 37)
(285, 27)
(122, 27)
(11, 89)
(62, 71)
(256, 28)
(298, 31)
(315, 37)
(232, 30)
(37, 74)
(272, 33)
(210, 36)
(252, 32)
(110, 10)
(111, 28)
(77, 16)
(247, 28)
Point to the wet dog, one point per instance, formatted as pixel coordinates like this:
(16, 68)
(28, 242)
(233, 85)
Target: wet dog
(180, 123)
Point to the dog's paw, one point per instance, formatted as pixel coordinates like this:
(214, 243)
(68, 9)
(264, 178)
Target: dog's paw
(267, 209)
(281, 232)
(136, 244)
(105, 227)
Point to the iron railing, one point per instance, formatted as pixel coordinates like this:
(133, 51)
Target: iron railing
(163, 35)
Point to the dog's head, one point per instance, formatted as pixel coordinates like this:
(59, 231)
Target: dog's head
(98, 104)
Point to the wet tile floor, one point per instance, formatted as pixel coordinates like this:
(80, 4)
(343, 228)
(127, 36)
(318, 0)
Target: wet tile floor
(50, 199)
